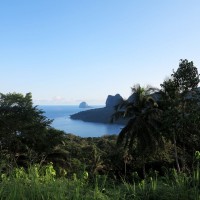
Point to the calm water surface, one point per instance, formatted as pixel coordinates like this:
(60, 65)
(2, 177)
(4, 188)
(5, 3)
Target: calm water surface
(62, 121)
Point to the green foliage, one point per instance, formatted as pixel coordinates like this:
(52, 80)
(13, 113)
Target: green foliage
(141, 136)
(186, 77)
(25, 133)
(181, 111)
(39, 182)
(142, 129)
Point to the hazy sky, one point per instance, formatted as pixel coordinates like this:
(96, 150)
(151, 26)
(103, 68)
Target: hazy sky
(68, 51)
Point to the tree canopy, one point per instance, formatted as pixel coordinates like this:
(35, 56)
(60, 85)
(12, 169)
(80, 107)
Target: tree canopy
(23, 127)
(174, 116)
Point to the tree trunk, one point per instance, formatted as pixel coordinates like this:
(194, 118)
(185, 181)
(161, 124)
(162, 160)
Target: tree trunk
(143, 168)
(184, 159)
(125, 168)
(176, 154)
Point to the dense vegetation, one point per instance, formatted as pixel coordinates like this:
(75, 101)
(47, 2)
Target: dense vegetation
(155, 156)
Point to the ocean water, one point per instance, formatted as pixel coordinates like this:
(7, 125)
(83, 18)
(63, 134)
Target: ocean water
(62, 121)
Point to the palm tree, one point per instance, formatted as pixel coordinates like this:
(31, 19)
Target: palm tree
(142, 132)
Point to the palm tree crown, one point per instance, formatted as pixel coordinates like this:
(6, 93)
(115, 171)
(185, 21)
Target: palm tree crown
(143, 114)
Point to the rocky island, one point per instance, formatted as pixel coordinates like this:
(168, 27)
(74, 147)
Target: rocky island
(84, 105)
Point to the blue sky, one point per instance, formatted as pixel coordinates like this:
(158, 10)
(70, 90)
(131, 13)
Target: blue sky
(68, 51)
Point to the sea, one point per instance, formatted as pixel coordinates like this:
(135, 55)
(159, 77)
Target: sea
(62, 121)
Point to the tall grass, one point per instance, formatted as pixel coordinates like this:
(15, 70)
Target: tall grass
(38, 182)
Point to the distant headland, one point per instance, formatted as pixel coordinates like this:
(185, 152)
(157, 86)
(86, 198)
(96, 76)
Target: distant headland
(100, 115)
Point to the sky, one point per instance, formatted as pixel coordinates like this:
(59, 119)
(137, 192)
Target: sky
(68, 51)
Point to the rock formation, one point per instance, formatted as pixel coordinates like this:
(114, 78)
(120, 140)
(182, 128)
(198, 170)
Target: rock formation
(84, 105)
(111, 101)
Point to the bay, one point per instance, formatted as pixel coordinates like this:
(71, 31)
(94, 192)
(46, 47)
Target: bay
(62, 121)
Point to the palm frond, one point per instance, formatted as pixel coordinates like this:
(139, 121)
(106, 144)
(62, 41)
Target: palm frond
(125, 131)
(150, 89)
(121, 105)
(143, 127)
(117, 115)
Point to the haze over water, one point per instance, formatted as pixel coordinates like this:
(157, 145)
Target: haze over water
(62, 121)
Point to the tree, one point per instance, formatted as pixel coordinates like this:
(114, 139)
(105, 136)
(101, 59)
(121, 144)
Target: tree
(181, 107)
(186, 78)
(23, 127)
(142, 132)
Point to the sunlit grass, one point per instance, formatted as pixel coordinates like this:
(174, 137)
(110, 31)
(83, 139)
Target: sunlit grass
(41, 183)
